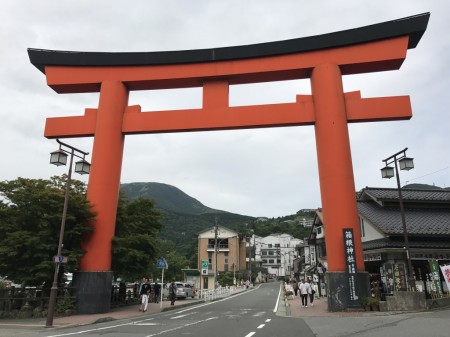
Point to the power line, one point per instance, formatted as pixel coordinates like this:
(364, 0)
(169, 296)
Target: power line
(428, 174)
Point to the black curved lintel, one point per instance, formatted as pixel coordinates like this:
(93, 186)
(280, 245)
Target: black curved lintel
(413, 26)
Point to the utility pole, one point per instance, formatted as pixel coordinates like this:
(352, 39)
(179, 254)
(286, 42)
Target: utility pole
(215, 253)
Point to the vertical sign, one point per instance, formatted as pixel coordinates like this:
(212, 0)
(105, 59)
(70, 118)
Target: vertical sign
(400, 277)
(434, 267)
(307, 256)
(312, 253)
(350, 260)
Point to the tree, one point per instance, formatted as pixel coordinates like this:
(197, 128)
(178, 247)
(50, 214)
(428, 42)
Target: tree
(30, 223)
(135, 244)
(175, 260)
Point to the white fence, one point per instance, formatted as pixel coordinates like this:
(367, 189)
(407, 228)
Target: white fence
(211, 295)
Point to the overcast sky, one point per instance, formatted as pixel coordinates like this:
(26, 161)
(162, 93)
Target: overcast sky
(261, 172)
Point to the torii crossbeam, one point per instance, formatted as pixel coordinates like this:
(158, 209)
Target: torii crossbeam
(324, 59)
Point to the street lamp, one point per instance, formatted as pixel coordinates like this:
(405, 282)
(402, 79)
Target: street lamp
(59, 158)
(405, 163)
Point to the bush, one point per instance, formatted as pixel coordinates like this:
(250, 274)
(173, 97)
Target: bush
(64, 304)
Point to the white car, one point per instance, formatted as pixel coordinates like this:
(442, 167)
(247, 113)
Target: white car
(184, 290)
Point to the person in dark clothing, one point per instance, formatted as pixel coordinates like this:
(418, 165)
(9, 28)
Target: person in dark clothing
(145, 293)
(157, 291)
(172, 292)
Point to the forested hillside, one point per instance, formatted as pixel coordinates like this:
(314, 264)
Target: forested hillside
(184, 217)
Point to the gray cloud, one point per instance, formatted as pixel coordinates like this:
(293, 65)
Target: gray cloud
(265, 172)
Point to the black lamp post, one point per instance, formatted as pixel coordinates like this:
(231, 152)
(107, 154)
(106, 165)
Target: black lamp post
(388, 172)
(59, 158)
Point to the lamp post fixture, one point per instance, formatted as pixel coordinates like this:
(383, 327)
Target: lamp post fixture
(388, 172)
(59, 158)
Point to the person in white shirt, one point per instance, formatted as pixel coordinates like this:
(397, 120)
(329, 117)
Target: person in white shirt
(305, 289)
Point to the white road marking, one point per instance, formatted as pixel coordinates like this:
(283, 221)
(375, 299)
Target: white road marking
(260, 326)
(182, 326)
(268, 320)
(259, 314)
(250, 334)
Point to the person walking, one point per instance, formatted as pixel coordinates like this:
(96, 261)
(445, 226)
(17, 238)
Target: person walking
(312, 292)
(145, 293)
(295, 286)
(157, 291)
(172, 292)
(303, 287)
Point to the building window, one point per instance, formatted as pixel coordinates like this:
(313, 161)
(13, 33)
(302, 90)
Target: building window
(269, 245)
(225, 263)
(277, 245)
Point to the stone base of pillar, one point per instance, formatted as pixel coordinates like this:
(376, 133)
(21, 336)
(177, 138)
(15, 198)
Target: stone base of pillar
(338, 285)
(93, 291)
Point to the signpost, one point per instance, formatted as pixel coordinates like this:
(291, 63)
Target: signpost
(162, 264)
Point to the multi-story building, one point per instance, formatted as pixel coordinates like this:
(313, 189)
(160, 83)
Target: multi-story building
(275, 254)
(219, 250)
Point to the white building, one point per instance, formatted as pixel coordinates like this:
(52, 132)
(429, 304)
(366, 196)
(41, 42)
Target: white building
(274, 253)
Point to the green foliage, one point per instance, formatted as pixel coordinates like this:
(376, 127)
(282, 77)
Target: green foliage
(30, 223)
(135, 244)
(64, 303)
(176, 263)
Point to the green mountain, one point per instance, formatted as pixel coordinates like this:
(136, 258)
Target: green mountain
(183, 216)
(166, 197)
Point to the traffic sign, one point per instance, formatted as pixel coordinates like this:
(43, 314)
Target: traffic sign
(162, 263)
(60, 259)
(204, 264)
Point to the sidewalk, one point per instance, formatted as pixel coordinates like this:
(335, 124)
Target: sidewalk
(114, 314)
(320, 309)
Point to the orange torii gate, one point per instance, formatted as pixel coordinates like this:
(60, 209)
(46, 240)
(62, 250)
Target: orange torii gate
(324, 59)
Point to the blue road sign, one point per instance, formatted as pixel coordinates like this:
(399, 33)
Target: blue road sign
(162, 263)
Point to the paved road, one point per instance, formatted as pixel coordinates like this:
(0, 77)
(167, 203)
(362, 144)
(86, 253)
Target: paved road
(252, 313)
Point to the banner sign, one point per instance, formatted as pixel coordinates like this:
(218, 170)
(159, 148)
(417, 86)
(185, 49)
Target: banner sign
(434, 267)
(312, 253)
(307, 256)
(446, 272)
(400, 277)
(350, 260)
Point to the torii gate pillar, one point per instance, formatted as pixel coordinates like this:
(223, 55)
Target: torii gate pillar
(337, 187)
(324, 59)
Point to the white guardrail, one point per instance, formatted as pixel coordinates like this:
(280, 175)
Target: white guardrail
(211, 295)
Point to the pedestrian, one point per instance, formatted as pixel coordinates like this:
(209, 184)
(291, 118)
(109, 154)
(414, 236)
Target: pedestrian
(295, 286)
(157, 291)
(172, 292)
(312, 291)
(304, 290)
(145, 293)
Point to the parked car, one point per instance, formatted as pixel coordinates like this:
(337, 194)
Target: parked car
(184, 290)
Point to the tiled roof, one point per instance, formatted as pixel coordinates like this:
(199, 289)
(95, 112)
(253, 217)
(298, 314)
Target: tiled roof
(419, 221)
(387, 243)
(382, 194)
